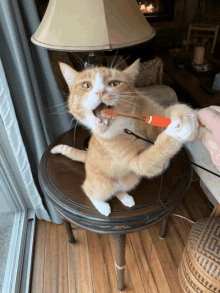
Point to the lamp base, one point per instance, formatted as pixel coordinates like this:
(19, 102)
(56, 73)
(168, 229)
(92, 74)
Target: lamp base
(95, 59)
(80, 60)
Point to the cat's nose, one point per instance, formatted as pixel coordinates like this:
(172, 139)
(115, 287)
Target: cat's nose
(100, 93)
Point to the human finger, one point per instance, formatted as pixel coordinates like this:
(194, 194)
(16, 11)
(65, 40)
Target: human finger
(208, 140)
(215, 108)
(210, 118)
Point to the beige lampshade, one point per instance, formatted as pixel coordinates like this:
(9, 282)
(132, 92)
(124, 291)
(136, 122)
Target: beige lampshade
(90, 25)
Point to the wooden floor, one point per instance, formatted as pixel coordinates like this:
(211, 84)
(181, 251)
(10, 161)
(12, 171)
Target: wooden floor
(88, 266)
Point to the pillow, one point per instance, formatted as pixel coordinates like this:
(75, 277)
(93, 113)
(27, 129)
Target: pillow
(150, 73)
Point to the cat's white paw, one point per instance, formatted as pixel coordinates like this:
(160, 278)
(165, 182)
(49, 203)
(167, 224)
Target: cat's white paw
(128, 201)
(183, 132)
(184, 122)
(59, 149)
(103, 207)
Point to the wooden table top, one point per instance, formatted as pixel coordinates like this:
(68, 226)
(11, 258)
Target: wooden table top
(61, 180)
(191, 83)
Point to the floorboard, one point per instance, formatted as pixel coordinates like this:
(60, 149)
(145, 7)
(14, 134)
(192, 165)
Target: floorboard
(88, 266)
(62, 260)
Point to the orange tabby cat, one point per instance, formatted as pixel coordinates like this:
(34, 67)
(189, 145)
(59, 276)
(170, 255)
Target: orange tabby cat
(115, 161)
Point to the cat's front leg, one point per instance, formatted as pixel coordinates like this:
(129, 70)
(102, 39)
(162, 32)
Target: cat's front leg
(183, 128)
(72, 153)
(153, 161)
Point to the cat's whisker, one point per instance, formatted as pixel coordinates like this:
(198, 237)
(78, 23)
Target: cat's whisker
(72, 121)
(136, 107)
(63, 107)
(136, 92)
(59, 105)
(131, 94)
(120, 90)
(128, 96)
(64, 93)
(70, 125)
(127, 93)
(114, 58)
(121, 97)
(125, 97)
(79, 59)
(57, 113)
(75, 133)
(122, 61)
(124, 100)
(118, 61)
(132, 104)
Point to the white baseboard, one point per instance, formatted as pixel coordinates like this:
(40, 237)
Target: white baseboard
(28, 255)
(210, 196)
(18, 267)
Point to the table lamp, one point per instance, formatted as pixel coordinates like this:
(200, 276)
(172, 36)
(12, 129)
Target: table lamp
(92, 25)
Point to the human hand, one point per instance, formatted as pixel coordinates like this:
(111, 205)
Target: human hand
(209, 135)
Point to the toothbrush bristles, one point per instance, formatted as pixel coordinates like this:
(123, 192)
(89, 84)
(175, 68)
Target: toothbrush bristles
(109, 113)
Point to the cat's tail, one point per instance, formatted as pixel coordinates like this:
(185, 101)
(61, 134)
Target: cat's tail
(72, 153)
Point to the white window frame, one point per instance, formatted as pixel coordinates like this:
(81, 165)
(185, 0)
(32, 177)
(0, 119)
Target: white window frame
(18, 266)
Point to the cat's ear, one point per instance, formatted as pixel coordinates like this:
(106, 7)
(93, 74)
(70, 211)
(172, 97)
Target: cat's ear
(68, 73)
(133, 69)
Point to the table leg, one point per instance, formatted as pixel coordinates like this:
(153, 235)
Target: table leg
(120, 244)
(163, 229)
(69, 231)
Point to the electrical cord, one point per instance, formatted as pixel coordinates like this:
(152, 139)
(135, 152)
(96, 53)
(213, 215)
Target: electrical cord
(179, 216)
(151, 142)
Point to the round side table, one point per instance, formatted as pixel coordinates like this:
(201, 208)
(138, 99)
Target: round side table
(61, 179)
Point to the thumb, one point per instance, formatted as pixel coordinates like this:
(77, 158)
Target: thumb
(203, 134)
(208, 140)
(210, 118)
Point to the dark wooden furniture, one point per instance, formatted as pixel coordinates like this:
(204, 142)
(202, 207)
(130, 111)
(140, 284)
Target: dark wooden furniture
(61, 180)
(190, 83)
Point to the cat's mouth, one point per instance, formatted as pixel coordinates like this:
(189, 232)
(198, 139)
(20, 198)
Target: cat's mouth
(97, 113)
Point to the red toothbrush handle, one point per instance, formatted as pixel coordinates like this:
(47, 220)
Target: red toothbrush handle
(158, 121)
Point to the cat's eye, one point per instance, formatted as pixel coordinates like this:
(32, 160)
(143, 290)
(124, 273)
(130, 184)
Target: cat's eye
(86, 85)
(114, 83)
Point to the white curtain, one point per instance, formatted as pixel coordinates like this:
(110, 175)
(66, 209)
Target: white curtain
(12, 130)
(33, 92)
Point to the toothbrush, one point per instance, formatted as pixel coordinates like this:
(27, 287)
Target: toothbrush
(153, 120)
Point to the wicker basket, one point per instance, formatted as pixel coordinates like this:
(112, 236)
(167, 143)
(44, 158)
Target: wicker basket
(199, 270)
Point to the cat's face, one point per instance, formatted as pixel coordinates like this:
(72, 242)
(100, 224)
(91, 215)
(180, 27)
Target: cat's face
(95, 89)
